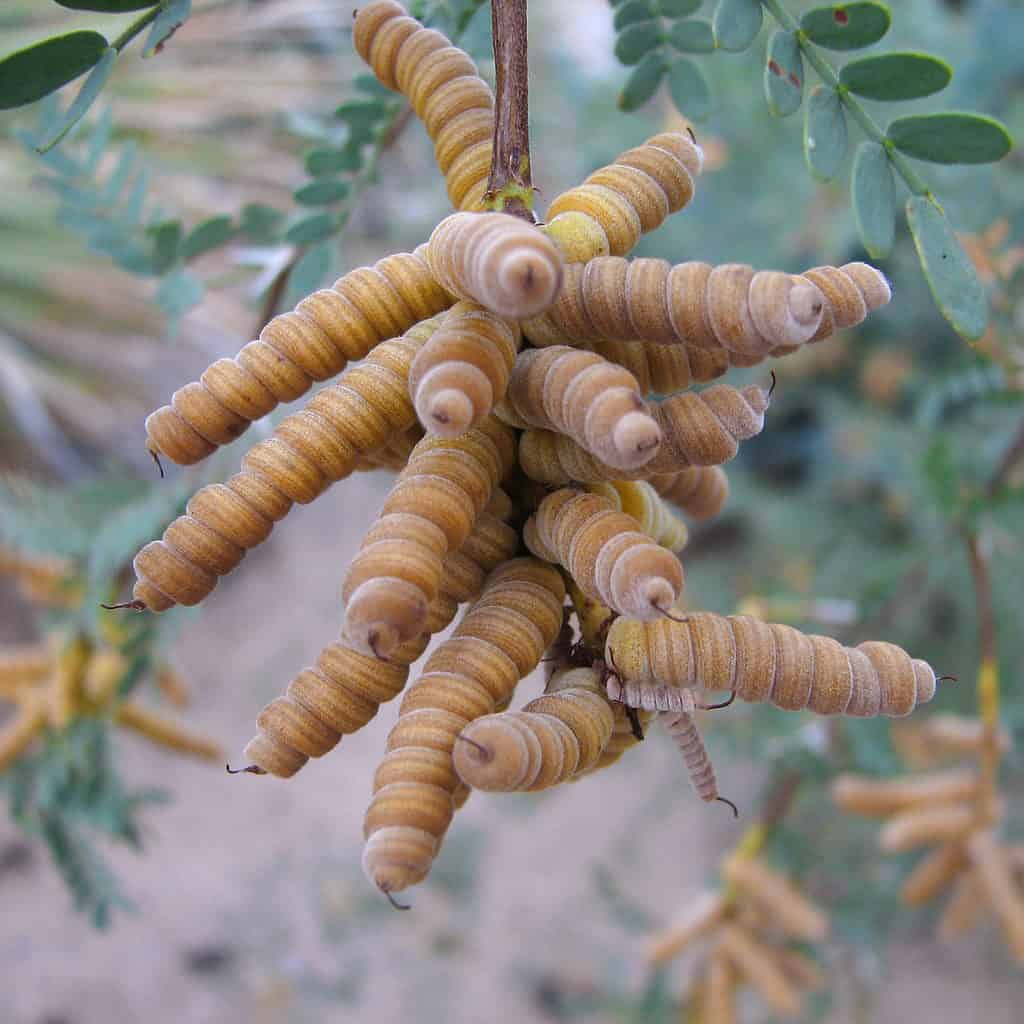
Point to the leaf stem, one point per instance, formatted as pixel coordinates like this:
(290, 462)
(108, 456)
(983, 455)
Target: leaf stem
(138, 25)
(917, 185)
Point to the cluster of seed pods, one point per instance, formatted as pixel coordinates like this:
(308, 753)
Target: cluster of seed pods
(506, 372)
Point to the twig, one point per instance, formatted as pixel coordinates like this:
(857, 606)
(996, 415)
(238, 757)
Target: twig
(1011, 457)
(509, 186)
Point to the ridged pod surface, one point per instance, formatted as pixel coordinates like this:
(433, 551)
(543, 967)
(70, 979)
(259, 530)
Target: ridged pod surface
(686, 736)
(663, 369)
(501, 638)
(463, 369)
(429, 512)
(610, 559)
(704, 428)
(700, 491)
(623, 738)
(634, 193)
(582, 395)
(510, 267)
(314, 342)
(770, 662)
(444, 87)
(641, 501)
(343, 691)
(651, 696)
(308, 451)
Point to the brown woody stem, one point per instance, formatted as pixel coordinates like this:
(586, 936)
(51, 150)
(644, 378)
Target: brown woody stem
(509, 186)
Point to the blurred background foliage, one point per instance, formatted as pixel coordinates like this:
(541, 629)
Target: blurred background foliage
(251, 160)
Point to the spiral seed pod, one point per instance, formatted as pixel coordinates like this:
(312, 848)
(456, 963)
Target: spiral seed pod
(633, 194)
(874, 797)
(932, 874)
(784, 905)
(500, 261)
(500, 639)
(166, 733)
(608, 557)
(557, 656)
(718, 992)
(686, 736)
(702, 915)
(964, 908)
(444, 87)
(429, 512)
(955, 734)
(641, 501)
(704, 428)
(463, 369)
(938, 823)
(756, 963)
(998, 887)
(762, 662)
(308, 451)
(700, 491)
(651, 697)
(395, 453)
(312, 343)
(663, 369)
(582, 395)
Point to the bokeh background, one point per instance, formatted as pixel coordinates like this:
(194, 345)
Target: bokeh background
(245, 899)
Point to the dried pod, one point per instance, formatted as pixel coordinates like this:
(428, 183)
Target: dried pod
(444, 87)
(498, 260)
(718, 992)
(429, 512)
(756, 963)
(964, 908)
(775, 663)
(703, 914)
(313, 342)
(686, 736)
(932, 874)
(500, 639)
(700, 491)
(462, 370)
(999, 888)
(784, 905)
(934, 823)
(632, 195)
(18, 733)
(557, 656)
(641, 501)
(663, 368)
(21, 666)
(651, 697)
(166, 733)
(879, 798)
(607, 556)
(947, 733)
(308, 451)
(582, 395)
(704, 428)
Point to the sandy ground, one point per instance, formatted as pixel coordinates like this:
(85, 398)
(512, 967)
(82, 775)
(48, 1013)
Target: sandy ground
(251, 901)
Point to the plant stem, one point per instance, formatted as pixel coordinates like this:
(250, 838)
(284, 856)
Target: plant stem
(917, 185)
(509, 186)
(138, 25)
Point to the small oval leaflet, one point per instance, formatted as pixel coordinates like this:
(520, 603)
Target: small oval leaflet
(678, 8)
(630, 13)
(846, 26)
(643, 82)
(896, 76)
(736, 23)
(950, 274)
(310, 229)
(328, 161)
(873, 199)
(824, 133)
(692, 35)
(165, 24)
(108, 6)
(783, 74)
(30, 74)
(210, 234)
(636, 41)
(950, 138)
(689, 89)
(320, 193)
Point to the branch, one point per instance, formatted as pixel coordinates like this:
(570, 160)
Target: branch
(509, 186)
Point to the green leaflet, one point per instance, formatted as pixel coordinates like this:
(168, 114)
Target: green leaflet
(950, 138)
(109, 6)
(643, 82)
(896, 76)
(783, 74)
(166, 23)
(736, 23)
(824, 133)
(30, 74)
(91, 88)
(210, 234)
(678, 8)
(631, 12)
(950, 274)
(320, 193)
(689, 89)
(692, 35)
(310, 229)
(846, 26)
(636, 41)
(872, 193)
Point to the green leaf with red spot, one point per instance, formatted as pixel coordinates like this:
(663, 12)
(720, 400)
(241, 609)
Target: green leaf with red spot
(784, 74)
(846, 26)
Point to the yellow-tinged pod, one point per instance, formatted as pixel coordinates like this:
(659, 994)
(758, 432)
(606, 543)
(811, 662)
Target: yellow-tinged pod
(103, 674)
(934, 823)
(166, 733)
(762, 662)
(497, 260)
(461, 372)
(444, 87)
(702, 915)
(502, 638)
(608, 557)
(18, 733)
(641, 501)
(429, 512)
(663, 369)
(754, 962)
(312, 343)
(700, 491)
(783, 904)
(309, 450)
(875, 797)
(582, 395)
(932, 874)
(686, 736)
(66, 691)
(22, 666)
